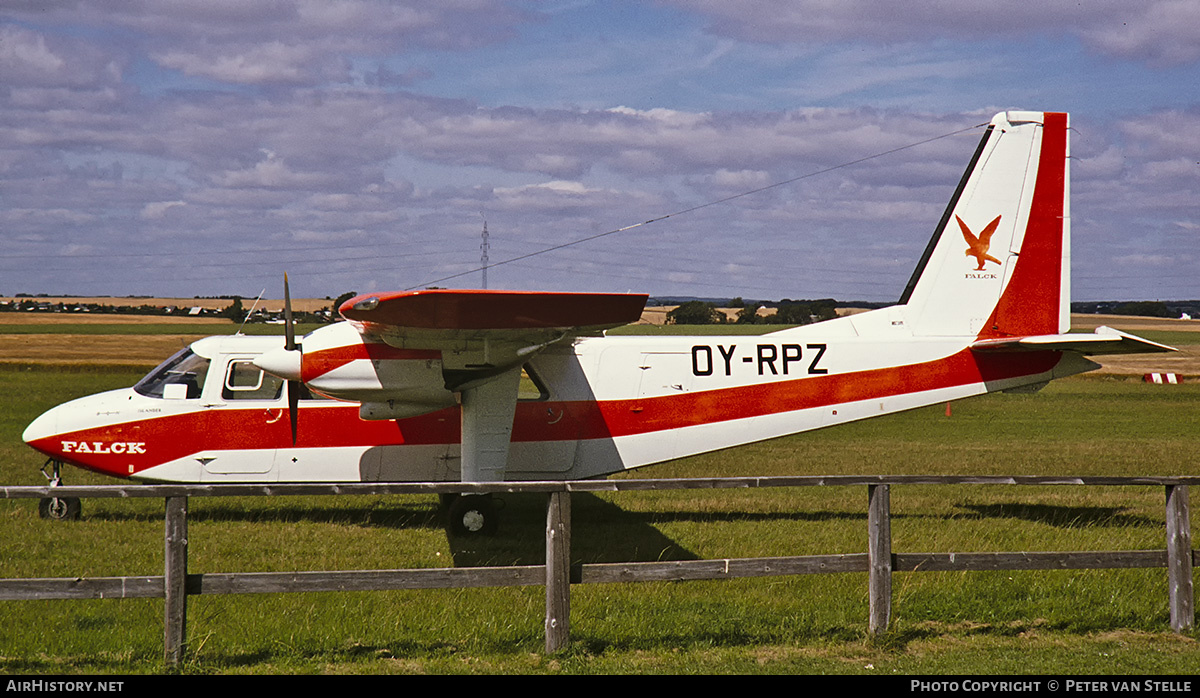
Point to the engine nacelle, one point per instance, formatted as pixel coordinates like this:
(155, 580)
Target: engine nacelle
(392, 383)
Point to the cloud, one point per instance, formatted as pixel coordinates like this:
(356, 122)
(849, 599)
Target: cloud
(315, 165)
(176, 126)
(157, 209)
(1108, 164)
(33, 59)
(1165, 32)
(1155, 31)
(569, 143)
(270, 63)
(739, 181)
(271, 42)
(25, 52)
(273, 173)
(1165, 133)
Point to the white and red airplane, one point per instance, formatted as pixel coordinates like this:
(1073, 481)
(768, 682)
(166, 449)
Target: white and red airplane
(428, 385)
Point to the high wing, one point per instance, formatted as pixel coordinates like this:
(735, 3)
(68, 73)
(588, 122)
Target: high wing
(482, 332)
(468, 310)
(405, 354)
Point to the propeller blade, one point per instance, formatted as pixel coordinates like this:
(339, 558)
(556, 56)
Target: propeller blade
(289, 330)
(293, 391)
(289, 333)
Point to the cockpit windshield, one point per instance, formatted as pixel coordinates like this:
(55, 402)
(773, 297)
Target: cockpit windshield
(185, 368)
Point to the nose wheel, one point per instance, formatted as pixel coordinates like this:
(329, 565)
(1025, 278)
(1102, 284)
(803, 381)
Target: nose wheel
(58, 508)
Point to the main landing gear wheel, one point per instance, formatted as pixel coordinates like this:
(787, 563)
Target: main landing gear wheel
(58, 508)
(472, 515)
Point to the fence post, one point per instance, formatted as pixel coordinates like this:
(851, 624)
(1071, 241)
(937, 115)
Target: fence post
(174, 581)
(558, 570)
(1179, 559)
(879, 558)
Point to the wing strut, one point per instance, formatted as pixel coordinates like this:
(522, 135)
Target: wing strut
(487, 422)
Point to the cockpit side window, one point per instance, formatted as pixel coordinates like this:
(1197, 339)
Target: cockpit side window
(185, 367)
(245, 381)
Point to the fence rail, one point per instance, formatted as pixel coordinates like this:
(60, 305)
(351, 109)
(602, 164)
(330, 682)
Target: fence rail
(557, 575)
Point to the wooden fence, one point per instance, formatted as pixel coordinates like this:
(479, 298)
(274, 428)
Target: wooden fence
(557, 574)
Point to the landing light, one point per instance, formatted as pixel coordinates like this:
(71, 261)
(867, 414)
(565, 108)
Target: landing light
(367, 303)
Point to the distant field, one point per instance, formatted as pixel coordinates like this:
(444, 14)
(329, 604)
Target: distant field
(147, 350)
(141, 345)
(1134, 324)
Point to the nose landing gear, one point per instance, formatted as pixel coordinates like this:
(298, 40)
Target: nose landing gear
(57, 508)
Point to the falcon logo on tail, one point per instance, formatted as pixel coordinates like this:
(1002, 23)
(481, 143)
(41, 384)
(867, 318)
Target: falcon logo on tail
(978, 246)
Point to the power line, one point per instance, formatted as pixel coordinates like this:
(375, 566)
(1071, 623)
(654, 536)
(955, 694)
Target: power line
(715, 202)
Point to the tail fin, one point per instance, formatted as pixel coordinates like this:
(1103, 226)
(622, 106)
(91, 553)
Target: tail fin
(999, 261)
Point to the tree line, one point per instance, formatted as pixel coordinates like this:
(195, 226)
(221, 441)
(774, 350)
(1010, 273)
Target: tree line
(788, 312)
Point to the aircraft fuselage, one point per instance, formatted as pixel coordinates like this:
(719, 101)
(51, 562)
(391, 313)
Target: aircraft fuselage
(591, 407)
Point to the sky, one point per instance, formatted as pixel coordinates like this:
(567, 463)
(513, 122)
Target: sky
(182, 148)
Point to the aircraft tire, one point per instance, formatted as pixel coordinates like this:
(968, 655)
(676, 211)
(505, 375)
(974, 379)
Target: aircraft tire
(472, 515)
(60, 508)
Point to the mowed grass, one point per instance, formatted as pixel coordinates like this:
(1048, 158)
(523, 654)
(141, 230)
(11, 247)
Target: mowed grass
(1102, 621)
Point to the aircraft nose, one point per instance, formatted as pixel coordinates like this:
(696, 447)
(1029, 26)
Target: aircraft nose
(281, 362)
(43, 427)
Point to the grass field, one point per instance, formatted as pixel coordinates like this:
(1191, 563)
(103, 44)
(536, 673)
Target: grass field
(968, 622)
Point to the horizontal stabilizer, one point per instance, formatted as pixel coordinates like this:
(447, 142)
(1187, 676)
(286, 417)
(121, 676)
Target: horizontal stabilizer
(1105, 340)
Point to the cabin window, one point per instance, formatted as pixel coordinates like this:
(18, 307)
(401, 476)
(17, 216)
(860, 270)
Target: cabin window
(245, 381)
(185, 367)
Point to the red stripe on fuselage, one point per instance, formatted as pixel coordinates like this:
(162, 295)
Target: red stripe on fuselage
(232, 428)
(627, 417)
(325, 426)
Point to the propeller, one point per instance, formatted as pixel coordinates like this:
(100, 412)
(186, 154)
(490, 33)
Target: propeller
(287, 361)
